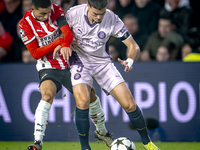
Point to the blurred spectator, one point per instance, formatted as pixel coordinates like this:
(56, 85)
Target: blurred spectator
(9, 19)
(123, 7)
(113, 52)
(194, 42)
(147, 12)
(26, 6)
(194, 56)
(165, 52)
(2, 6)
(5, 43)
(180, 11)
(26, 56)
(162, 54)
(119, 46)
(186, 49)
(164, 32)
(138, 34)
(82, 2)
(67, 4)
(144, 56)
(58, 2)
(112, 4)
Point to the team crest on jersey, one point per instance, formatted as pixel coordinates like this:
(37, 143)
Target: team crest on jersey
(22, 33)
(101, 35)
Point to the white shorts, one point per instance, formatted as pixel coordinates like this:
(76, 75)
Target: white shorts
(106, 76)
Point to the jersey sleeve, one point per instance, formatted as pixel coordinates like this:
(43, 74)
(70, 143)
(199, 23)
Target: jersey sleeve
(58, 11)
(26, 33)
(119, 30)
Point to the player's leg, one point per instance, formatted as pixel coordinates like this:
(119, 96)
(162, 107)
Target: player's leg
(109, 78)
(123, 95)
(97, 115)
(82, 96)
(48, 91)
(95, 110)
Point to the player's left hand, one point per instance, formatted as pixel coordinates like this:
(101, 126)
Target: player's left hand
(124, 63)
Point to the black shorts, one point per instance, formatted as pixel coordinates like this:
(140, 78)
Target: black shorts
(59, 77)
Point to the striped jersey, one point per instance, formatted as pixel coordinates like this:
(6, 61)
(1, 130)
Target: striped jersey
(45, 33)
(93, 38)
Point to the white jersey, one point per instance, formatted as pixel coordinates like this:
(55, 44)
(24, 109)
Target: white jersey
(93, 47)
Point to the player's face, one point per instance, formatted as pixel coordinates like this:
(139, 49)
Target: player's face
(95, 15)
(42, 14)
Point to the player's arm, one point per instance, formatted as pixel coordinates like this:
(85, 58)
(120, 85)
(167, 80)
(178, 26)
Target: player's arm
(133, 54)
(65, 51)
(64, 27)
(38, 53)
(29, 39)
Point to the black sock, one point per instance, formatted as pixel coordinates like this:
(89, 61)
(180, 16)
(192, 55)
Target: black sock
(137, 120)
(83, 125)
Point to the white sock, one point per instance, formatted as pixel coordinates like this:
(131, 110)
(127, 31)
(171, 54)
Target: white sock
(41, 119)
(98, 117)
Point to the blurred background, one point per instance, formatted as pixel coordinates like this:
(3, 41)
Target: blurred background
(165, 80)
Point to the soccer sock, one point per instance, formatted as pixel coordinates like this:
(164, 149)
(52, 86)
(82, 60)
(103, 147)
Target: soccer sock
(41, 119)
(98, 117)
(83, 125)
(137, 121)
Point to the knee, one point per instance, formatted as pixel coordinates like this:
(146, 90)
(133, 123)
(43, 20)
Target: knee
(130, 107)
(82, 102)
(48, 97)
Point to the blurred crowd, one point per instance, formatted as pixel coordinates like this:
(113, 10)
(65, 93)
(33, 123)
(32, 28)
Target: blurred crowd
(165, 30)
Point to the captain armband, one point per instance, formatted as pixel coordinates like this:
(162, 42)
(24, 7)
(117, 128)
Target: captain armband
(125, 36)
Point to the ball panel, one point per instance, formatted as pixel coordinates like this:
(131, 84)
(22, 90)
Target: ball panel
(123, 143)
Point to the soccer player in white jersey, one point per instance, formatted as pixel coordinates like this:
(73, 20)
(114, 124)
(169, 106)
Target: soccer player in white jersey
(39, 30)
(92, 25)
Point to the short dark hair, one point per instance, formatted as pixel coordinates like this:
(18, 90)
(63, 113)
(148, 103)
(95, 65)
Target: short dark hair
(41, 3)
(98, 4)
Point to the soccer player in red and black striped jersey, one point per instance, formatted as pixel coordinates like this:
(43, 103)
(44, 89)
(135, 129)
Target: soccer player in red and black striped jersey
(39, 29)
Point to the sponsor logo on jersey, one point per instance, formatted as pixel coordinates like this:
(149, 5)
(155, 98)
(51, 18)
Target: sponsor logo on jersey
(101, 35)
(48, 39)
(80, 31)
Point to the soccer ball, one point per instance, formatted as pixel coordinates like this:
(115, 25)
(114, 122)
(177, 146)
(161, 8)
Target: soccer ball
(122, 143)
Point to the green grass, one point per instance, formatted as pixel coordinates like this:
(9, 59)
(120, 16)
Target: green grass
(97, 146)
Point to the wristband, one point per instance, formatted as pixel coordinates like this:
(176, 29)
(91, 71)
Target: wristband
(130, 62)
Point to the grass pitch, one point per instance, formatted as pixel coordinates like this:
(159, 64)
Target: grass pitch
(97, 146)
